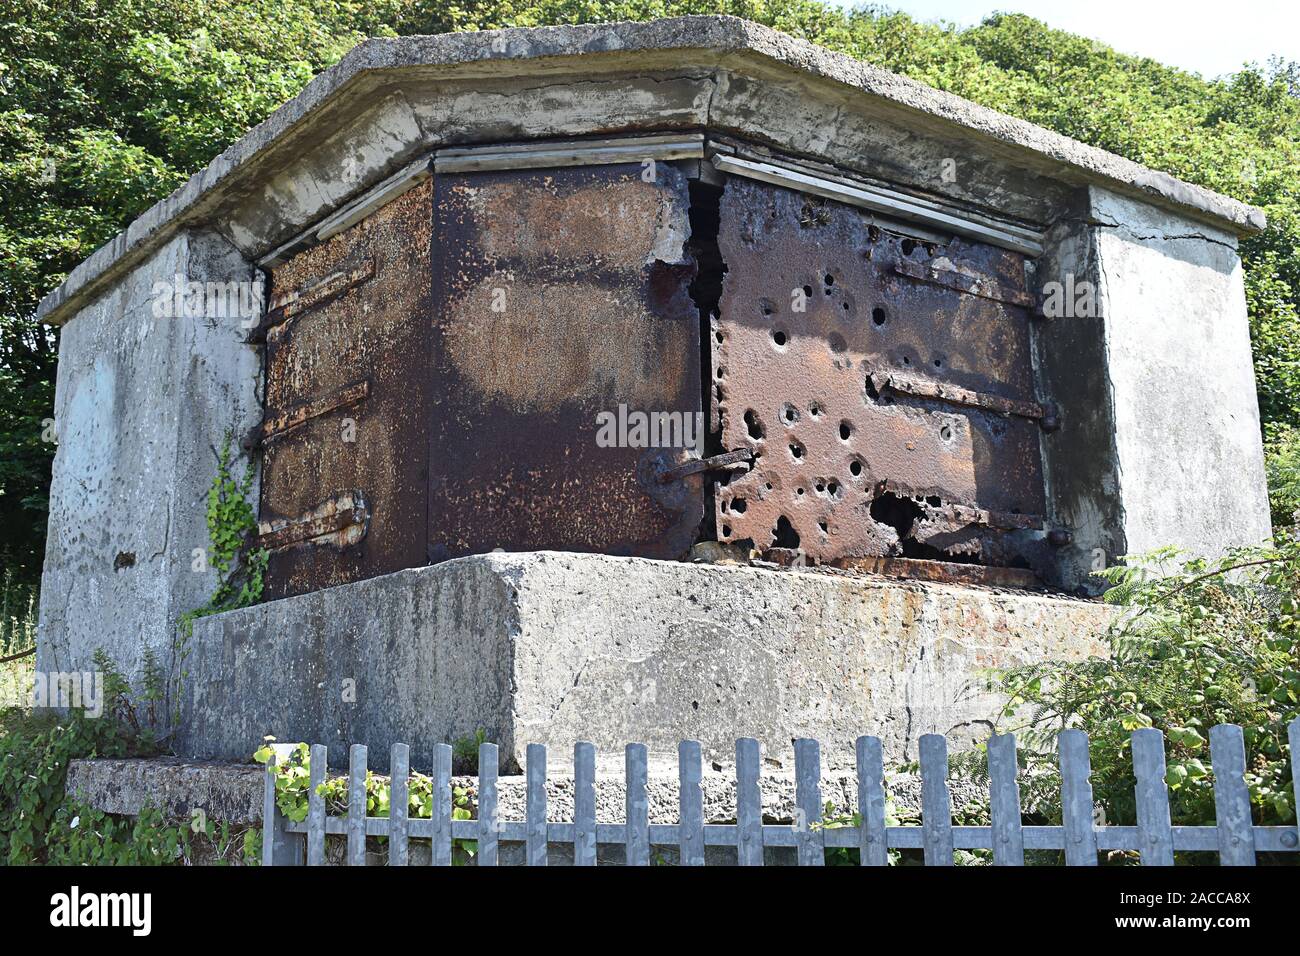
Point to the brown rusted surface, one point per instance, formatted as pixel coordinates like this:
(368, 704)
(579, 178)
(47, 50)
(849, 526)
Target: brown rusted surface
(282, 423)
(353, 309)
(831, 448)
(952, 394)
(919, 569)
(340, 521)
(948, 276)
(562, 294)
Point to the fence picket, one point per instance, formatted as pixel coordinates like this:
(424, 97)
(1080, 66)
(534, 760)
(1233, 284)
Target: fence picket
(749, 804)
(1231, 797)
(535, 811)
(584, 804)
(873, 849)
(690, 801)
(357, 762)
(1293, 739)
(488, 822)
(1004, 802)
(1076, 799)
(1155, 835)
(279, 848)
(399, 768)
(442, 804)
(637, 808)
(936, 806)
(316, 806)
(808, 802)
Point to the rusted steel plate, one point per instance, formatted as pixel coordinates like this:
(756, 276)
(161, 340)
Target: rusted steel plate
(928, 388)
(979, 285)
(282, 423)
(340, 521)
(351, 313)
(919, 569)
(562, 295)
(813, 306)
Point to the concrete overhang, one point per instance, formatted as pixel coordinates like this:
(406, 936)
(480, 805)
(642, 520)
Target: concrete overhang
(390, 101)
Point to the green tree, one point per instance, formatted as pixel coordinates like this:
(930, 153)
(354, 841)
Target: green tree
(107, 105)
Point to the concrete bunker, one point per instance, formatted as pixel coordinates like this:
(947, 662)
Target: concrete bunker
(921, 339)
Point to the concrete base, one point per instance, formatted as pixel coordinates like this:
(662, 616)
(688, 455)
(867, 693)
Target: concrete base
(551, 648)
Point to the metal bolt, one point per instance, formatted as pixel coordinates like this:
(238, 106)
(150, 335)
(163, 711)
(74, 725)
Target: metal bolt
(1060, 537)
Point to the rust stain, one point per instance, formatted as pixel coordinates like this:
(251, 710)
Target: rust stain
(562, 294)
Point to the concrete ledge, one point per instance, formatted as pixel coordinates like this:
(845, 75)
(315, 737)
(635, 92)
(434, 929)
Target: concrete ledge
(550, 647)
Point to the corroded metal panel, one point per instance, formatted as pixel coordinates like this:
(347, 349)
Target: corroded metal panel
(883, 384)
(562, 295)
(344, 475)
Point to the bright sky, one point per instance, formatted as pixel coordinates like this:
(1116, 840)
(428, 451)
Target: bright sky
(1210, 38)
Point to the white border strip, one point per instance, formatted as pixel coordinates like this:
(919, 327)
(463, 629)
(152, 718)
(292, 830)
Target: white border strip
(885, 202)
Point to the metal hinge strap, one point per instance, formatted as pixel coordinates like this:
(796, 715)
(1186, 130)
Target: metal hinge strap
(341, 521)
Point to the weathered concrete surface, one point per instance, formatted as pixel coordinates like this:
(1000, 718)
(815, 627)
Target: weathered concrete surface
(1188, 451)
(707, 72)
(141, 398)
(555, 647)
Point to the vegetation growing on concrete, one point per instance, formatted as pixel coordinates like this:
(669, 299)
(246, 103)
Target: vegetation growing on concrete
(41, 823)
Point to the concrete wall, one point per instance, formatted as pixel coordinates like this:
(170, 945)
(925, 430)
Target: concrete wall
(1187, 441)
(552, 647)
(142, 401)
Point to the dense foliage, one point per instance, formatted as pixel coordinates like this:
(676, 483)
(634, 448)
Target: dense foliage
(107, 105)
(1199, 643)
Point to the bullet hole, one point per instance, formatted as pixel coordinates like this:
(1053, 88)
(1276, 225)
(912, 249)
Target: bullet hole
(784, 535)
(722, 372)
(938, 363)
(822, 525)
(796, 449)
(820, 486)
(778, 337)
(790, 414)
(815, 410)
(739, 505)
(907, 360)
(766, 306)
(934, 501)
(799, 492)
(124, 559)
(946, 433)
(833, 489)
(872, 393)
(837, 343)
(830, 279)
(807, 291)
(873, 233)
(768, 485)
(855, 467)
(908, 247)
(846, 430)
(753, 425)
(897, 512)
(726, 531)
(718, 336)
(878, 315)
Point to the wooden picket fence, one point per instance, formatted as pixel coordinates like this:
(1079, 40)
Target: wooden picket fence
(1234, 836)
